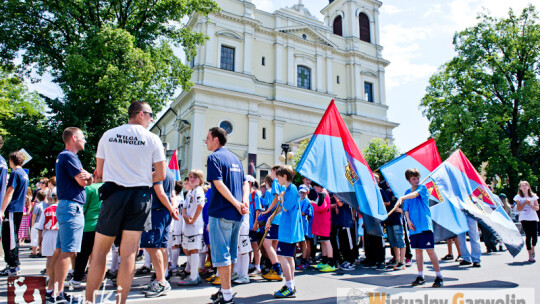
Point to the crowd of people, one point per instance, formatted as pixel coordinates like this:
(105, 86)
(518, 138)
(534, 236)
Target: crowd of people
(230, 228)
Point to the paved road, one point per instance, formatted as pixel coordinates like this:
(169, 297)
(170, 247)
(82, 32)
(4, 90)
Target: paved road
(499, 271)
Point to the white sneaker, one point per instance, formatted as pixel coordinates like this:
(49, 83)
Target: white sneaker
(72, 284)
(242, 280)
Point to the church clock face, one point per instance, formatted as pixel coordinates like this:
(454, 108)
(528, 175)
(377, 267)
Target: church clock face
(227, 126)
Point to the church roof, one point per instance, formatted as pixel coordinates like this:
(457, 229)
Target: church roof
(300, 9)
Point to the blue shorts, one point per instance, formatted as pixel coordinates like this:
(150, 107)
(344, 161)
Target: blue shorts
(253, 236)
(224, 240)
(206, 237)
(273, 232)
(286, 249)
(423, 240)
(70, 218)
(158, 236)
(395, 236)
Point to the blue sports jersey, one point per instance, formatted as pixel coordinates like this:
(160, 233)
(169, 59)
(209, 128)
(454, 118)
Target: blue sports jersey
(3, 177)
(223, 165)
(168, 186)
(419, 212)
(254, 205)
(290, 226)
(18, 180)
(68, 166)
(307, 218)
(276, 189)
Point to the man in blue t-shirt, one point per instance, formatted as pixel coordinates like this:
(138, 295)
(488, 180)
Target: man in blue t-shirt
(12, 213)
(229, 200)
(71, 178)
(155, 240)
(3, 173)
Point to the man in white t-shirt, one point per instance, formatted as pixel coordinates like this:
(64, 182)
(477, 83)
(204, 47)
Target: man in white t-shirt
(124, 159)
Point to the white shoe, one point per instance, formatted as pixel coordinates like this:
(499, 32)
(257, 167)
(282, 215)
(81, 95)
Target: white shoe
(242, 280)
(72, 284)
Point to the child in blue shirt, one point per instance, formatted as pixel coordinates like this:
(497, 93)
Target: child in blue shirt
(271, 240)
(307, 219)
(290, 232)
(416, 208)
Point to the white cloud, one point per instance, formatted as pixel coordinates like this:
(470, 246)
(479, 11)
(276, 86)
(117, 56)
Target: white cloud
(433, 10)
(402, 46)
(390, 9)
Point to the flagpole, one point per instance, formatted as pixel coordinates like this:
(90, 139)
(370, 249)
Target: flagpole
(271, 218)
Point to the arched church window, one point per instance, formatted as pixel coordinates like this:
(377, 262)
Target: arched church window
(304, 77)
(364, 27)
(337, 26)
(227, 126)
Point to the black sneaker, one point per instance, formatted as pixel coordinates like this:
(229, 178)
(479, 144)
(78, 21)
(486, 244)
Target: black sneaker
(465, 263)
(216, 295)
(439, 282)
(447, 257)
(380, 266)
(476, 264)
(143, 270)
(419, 281)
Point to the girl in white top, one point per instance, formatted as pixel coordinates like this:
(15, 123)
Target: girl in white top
(527, 205)
(192, 239)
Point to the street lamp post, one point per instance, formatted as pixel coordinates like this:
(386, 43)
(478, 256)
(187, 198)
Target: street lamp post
(285, 153)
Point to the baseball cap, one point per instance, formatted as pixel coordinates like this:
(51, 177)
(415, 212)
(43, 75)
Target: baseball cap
(303, 188)
(250, 178)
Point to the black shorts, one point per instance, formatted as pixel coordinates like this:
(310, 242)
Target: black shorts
(323, 238)
(253, 236)
(423, 240)
(286, 249)
(273, 232)
(125, 209)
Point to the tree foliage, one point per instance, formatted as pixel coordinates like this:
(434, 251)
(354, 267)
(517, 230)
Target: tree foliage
(486, 100)
(379, 152)
(22, 124)
(102, 54)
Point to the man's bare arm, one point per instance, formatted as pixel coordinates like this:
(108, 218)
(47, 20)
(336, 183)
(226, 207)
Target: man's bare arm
(159, 172)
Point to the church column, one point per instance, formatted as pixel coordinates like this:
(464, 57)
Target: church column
(382, 87)
(278, 140)
(357, 85)
(253, 133)
(291, 69)
(248, 41)
(320, 74)
(198, 136)
(210, 53)
(278, 61)
(375, 26)
(329, 73)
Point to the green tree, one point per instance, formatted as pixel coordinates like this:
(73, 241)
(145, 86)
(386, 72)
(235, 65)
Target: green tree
(22, 124)
(379, 152)
(102, 54)
(486, 100)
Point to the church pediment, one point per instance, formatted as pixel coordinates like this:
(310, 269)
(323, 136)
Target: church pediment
(310, 34)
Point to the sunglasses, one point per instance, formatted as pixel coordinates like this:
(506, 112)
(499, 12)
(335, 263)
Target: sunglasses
(149, 114)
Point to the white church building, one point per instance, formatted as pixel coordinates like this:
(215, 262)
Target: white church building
(268, 77)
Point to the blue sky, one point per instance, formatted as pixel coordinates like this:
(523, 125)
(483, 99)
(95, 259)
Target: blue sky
(417, 40)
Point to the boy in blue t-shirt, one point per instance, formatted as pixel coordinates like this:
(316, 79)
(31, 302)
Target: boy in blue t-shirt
(307, 220)
(290, 232)
(271, 241)
(416, 208)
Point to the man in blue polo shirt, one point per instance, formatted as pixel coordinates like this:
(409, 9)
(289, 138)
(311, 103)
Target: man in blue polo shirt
(3, 174)
(71, 179)
(228, 202)
(12, 212)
